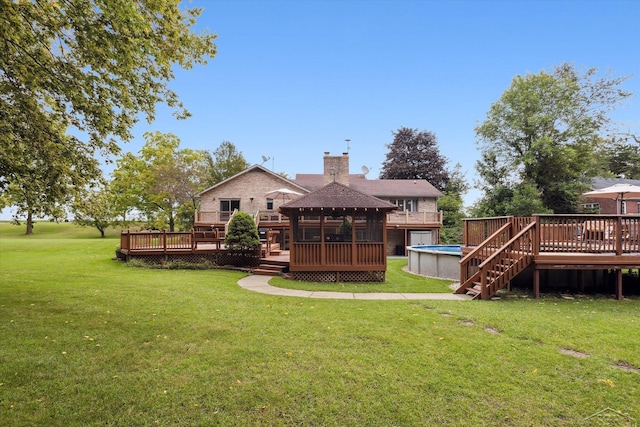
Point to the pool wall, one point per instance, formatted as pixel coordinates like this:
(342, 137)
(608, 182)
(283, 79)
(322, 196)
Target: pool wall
(435, 261)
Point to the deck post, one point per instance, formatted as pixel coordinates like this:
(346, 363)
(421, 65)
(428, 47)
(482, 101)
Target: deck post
(619, 284)
(580, 280)
(484, 285)
(536, 235)
(323, 247)
(536, 283)
(164, 241)
(619, 235)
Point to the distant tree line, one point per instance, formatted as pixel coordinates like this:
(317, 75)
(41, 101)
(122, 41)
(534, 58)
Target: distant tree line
(158, 187)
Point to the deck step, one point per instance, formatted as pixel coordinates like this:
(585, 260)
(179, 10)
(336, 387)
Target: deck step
(272, 267)
(269, 270)
(473, 291)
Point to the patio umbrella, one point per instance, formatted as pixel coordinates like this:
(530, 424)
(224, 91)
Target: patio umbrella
(285, 193)
(616, 191)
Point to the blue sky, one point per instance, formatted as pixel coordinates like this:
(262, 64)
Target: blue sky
(293, 79)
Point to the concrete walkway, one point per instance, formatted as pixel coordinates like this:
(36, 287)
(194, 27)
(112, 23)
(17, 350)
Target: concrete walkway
(260, 284)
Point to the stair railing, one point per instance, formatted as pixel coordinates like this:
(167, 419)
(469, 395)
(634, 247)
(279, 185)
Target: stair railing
(503, 265)
(226, 225)
(469, 271)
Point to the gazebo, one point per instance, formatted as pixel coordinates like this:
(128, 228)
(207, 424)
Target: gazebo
(337, 235)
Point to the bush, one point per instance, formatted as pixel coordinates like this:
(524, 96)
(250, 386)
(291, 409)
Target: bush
(243, 232)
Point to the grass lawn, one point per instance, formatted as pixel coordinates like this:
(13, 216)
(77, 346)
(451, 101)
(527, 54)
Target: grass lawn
(85, 340)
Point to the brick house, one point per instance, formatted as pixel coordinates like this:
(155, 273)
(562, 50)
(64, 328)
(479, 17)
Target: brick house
(261, 192)
(608, 205)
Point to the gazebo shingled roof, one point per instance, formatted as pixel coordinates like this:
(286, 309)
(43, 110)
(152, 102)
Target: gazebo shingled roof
(337, 196)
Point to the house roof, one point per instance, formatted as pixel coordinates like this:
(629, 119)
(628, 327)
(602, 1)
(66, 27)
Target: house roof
(598, 183)
(338, 196)
(258, 168)
(375, 187)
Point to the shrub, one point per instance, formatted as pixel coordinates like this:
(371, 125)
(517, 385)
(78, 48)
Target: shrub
(243, 232)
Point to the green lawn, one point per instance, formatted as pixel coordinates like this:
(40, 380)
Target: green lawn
(85, 340)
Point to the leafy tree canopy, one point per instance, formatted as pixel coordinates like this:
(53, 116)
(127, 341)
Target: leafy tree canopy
(95, 208)
(452, 207)
(93, 66)
(621, 159)
(50, 175)
(414, 154)
(224, 162)
(161, 181)
(538, 140)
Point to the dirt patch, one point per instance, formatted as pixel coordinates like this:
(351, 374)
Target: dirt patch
(626, 366)
(492, 331)
(574, 353)
(446, 315)
(466, 322)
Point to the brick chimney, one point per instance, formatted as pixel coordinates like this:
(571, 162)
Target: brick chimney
(336, 168)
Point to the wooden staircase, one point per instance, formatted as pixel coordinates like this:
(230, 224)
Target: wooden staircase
(494, 263)
(270, 268)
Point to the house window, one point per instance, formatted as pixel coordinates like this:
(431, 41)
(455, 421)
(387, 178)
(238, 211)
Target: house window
(410, 205)
(227, 206)
(623, 207)
(269, 204)
(591, 208)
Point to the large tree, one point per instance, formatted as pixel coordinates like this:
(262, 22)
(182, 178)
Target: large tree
(621, 158)
(415, 154)
(502, 195)
(163, 180)
(91, 66)
(95, 208)
(452, 206)
(127, 188)
(538, 140)
(225, 161)
(51, 175)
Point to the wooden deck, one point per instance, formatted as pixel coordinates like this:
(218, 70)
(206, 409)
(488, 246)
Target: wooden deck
(496, 250)
(154, 242)
(193, 246)
(273, 219)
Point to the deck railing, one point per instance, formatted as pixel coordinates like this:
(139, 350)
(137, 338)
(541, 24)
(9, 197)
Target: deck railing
(587, 234)
(337, 254)
(156, 240)
(477, 230)
(489, 268)
(414, 218)
(213, 217)
(164, 241)
(270, 216)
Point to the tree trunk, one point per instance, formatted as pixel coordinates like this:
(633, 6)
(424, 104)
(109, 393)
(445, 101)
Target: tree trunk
(172, 224)
(29, 223)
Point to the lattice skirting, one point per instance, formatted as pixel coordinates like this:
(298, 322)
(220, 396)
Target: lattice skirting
(339, 276)
(236, 259)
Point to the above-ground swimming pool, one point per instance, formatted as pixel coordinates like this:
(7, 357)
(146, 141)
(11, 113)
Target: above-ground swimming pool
(442, 261)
